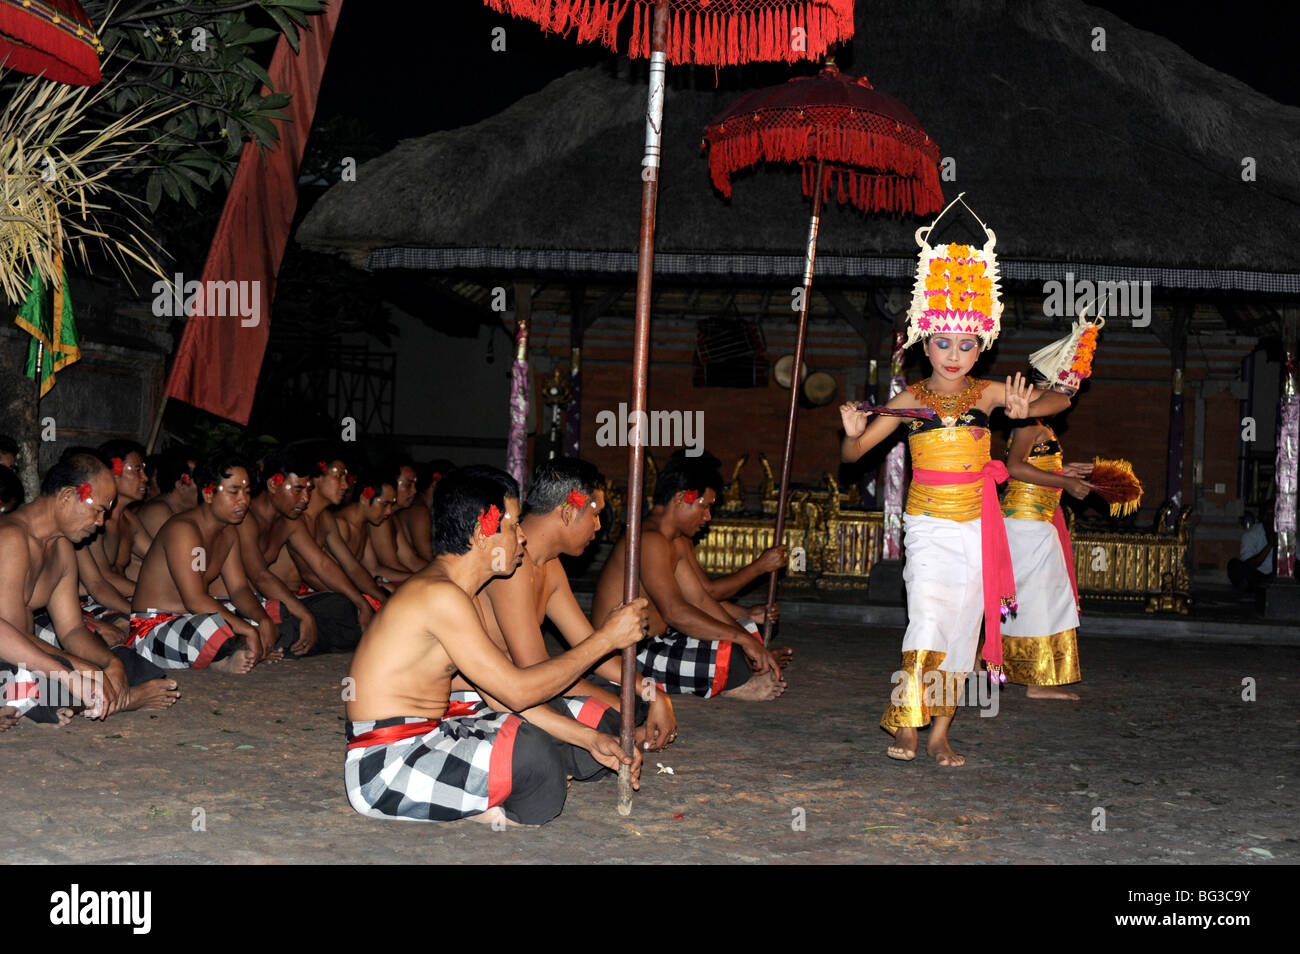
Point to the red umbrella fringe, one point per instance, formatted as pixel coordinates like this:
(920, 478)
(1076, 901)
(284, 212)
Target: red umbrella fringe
(741, 34)
(590, 20)
(896, 162)
(877, 191)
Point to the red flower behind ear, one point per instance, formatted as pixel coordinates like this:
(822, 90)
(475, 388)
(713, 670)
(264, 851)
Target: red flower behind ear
(690, 496)
(118, 466)
(576, 499)
(277, 480)
(84, 491)
(208, 488)
(352, 480)
(324, 468)
(186, 479)
(489, 521)
(437, 476)
(367, 493)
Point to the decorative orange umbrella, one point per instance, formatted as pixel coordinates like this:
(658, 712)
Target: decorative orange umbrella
(710, 32)
(837, 127)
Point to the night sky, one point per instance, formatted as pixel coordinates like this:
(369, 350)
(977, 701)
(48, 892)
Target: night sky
(407, 72)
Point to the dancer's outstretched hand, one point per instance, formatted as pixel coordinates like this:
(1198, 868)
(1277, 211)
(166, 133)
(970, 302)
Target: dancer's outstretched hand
(1077, 469)
(1019, 393)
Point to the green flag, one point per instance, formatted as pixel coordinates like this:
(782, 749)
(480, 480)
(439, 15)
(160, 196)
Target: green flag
(50, 323)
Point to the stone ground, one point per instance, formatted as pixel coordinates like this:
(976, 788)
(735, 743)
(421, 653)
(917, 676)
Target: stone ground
(1185, 770)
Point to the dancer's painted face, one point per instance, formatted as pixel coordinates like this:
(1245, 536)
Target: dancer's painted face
(952, 356)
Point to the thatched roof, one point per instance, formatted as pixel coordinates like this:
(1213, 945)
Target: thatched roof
(1130, 158)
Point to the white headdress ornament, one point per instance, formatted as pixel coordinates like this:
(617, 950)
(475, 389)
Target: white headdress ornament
(957, 287)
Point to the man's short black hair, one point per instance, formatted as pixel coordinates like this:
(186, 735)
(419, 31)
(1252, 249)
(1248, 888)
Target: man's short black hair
(424, 473)
(121, 448)
(8, 445)
(554, 479)
(74, 468)
(171, 466)
(290, 461)
(460, 498)
(216, 469)
(376, 479)
(11, 489)
(687, 473)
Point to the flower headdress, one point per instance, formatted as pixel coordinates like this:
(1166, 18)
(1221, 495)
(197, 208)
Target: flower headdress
(956, 290)
(1065, 363)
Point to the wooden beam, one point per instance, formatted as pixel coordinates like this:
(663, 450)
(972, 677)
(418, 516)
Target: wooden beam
(844, 308)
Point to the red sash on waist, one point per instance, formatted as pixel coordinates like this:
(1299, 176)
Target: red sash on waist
(995, 553)
(304, 590)
(396, 733)
(140, 626)
(1067, 548)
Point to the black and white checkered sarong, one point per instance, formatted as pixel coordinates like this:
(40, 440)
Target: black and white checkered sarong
(461, 767)
(684, 665)
(189, 641)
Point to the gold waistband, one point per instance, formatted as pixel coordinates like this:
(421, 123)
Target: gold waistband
(1026, 501)
(961, 450)
(1030, 501)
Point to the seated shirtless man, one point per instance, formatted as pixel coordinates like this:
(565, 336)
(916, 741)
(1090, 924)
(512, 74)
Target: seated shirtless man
(274, 539)
(175, 475)
(415, 754)
(390, 540)
(175, 621)
(332, 482)
(562, 516)
(417, 519)
(371, 507)
(702, 663)
(38, 569)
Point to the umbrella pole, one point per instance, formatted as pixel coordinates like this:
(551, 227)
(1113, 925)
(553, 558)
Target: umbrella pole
(787, 459)
(640, 366)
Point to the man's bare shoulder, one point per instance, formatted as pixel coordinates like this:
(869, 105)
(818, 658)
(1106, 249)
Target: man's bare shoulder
(13, 533)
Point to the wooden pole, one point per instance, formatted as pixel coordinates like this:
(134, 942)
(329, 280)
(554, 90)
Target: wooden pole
(640, 370)
(792, 421)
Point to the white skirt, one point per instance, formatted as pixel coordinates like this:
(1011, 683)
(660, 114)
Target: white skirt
(1043, 592)
(945, 588)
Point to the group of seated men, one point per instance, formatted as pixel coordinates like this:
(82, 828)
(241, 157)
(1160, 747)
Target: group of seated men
(439, 580)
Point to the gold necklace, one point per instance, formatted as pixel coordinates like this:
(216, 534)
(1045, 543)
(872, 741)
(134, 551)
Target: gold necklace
(948, 406)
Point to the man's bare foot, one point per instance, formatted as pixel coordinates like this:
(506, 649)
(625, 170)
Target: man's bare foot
(8, 718)
(64, 714)
(154, 694)
(496, 817)
(1050, 692)
(904, 747)
(943, 753)
(238, 662)
(760, 688)
(783, 656)
(274, 656)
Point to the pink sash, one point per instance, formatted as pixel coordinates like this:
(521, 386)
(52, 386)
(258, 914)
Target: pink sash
(995, 553)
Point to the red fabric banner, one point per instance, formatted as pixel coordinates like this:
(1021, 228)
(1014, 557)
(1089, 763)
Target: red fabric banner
(221, 350)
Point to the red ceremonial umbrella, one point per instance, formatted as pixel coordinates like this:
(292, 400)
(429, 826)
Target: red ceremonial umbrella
(50, 37)
(838, 128)
(712, 32)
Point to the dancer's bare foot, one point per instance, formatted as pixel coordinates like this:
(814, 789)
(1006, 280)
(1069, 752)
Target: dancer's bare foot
(943, 753)
(238, 662)
(783, 656)
(1050, 692)
(154, 694)
(904, 747)
(762, 687)
(64, 715)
